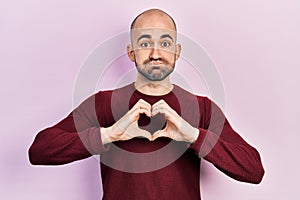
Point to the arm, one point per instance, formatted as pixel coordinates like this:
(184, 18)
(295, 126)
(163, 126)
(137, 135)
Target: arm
(73, 138)
(219, 144)
(79, 135)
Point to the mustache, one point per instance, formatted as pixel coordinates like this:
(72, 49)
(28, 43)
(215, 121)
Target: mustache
(163, 61)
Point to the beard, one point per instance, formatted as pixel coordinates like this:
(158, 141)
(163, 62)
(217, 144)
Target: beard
(155, 72)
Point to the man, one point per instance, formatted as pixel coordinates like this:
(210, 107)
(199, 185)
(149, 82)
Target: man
(151, 135)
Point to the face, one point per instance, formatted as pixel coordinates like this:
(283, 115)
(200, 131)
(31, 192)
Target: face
(154, 50)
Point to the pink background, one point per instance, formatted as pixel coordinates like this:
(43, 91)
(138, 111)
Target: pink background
(254, 44)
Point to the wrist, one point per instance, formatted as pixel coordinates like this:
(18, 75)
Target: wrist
(105, 135)
(194, 136)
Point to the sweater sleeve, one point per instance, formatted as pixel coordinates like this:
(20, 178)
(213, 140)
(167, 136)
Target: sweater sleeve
(220, 145)
(74, 138)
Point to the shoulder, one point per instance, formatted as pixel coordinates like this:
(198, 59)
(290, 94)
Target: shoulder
(179, 91)
(111, 92)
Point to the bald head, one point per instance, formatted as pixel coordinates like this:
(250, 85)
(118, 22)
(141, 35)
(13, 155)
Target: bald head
(153, 45)
(153, 18)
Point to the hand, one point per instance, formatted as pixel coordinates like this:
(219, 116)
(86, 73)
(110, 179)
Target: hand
(133, 131)
(176, 127)
(127, 127)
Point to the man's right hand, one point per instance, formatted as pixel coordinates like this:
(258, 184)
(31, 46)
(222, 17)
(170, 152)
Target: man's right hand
(127, 128)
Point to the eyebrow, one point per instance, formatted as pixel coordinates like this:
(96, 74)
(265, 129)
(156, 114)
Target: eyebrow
(144, 36)
(149, 36)
(166, 36)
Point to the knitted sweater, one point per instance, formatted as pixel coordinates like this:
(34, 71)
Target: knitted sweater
(142, 169)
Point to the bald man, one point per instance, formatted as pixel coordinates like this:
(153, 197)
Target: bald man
(151, 135)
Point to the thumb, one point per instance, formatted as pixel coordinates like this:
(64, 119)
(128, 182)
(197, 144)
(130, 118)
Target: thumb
(144, 133)
(157, 134)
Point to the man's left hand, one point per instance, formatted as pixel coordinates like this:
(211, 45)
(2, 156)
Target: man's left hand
(176, 127)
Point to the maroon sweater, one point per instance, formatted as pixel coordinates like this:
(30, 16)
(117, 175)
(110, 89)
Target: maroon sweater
(142, 169)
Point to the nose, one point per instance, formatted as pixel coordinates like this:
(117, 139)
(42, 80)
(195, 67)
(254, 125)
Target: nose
(155, 53)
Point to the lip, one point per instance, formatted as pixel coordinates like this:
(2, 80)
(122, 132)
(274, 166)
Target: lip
(155, 63)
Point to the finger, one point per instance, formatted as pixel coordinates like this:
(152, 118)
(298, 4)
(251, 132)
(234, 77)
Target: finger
(157, 110)
(170, 114)
(158, 107)
(162, 107)
(136, 113)
(142, 101)
(142, 104)
(124, 137)
(160, 102)
(157, 134)
(165, 111)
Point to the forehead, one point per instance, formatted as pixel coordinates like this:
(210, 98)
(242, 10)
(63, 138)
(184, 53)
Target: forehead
(153, 33)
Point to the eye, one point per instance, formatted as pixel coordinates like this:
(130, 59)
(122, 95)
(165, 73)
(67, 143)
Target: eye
(145, 44)
(165, 44)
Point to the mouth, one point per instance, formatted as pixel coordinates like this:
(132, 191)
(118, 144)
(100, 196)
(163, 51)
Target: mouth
(156, 63)
(155, 67)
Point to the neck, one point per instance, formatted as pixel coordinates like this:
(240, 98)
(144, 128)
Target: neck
(155, 88)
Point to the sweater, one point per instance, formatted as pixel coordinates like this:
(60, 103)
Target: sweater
(142, 169)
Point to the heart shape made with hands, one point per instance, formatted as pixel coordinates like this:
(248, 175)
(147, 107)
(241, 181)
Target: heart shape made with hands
(152, 124)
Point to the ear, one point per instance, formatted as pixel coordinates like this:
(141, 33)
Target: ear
(130, 52)
(177, 51)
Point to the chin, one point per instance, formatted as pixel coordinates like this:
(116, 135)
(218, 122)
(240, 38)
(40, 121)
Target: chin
(156, 78)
